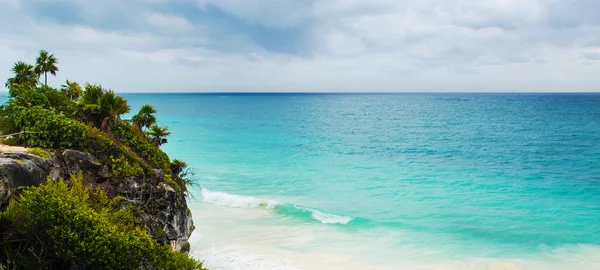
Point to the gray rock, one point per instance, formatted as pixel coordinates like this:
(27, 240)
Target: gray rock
(77, 162)
(165, 211)
(21, 170)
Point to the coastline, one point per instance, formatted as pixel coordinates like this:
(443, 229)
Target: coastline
(233, 237)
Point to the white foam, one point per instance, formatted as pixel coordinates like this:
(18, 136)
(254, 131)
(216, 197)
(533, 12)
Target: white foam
(327, 218)
(235, 201)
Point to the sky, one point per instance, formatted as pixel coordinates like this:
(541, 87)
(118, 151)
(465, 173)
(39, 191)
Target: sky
(310, 45)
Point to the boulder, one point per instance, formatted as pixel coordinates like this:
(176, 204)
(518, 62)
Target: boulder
(20, 169)
(76, 162)
(165, 211)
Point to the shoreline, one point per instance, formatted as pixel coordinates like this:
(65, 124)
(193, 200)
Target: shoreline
(231, 238)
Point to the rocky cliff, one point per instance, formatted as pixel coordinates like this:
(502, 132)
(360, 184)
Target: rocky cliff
(163, 210)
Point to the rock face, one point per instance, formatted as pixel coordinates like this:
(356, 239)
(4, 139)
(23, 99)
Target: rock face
(165, 214)
(19, 169)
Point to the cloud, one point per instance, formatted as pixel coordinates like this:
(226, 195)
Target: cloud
(309, 45)
(592, 55)
(168, 22)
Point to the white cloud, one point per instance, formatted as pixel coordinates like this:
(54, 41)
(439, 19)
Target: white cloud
(169, 22)
(351, 45)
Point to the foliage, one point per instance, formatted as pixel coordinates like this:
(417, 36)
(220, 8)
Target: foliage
(177, 166)
(102, 107)
(158, 135)
(25, 76)
(46, 97)
(50, 129)
(120, 168)
(38, 152)
(45, 62)
(145, 117)
(182, 175)
(72, 90)
(136, 141)
(55, 226)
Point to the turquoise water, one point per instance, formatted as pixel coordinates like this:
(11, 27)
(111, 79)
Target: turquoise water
(390, 181)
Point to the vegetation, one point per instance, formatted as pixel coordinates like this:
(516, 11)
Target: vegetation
(72, 90)
(145, 117)
(38, 152)
(56, 226)
(158, 135)
(24, 76)
(45, 63)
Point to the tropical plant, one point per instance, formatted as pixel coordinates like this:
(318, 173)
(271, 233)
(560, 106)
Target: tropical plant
(102, 107)
(72, 90)
(177, 166)
(25, 76)
(145, 117)
(46, 62)
(158, 135)
(112, 107)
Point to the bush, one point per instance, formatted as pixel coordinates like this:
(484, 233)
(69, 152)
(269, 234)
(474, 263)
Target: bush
(137, 141)
(38, 152)
(78, 226)
(49, 129)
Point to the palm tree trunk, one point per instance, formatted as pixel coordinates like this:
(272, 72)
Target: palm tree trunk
(46, 78)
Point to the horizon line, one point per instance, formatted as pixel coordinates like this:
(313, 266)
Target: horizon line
(420, 92)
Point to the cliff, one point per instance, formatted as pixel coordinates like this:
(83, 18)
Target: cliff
(164, 211)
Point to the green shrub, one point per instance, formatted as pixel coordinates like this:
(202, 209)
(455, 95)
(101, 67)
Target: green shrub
(49, 129)
(139, 143)
(77, 226)
(38, 152)
(123, 168)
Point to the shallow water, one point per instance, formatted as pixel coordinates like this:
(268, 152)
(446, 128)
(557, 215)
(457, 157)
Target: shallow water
(390, 181)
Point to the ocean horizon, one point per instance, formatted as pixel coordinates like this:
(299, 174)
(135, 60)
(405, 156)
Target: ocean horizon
(389, 180)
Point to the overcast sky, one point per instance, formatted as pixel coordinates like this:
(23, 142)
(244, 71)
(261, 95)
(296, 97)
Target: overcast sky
(310, 45)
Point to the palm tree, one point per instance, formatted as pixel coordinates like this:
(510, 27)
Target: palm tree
(158, 134)
(24, 75)
(177, 166)
(102, 107)
(145, 117)
(112, 107)
(45, 63)
(72, 90)
(92, 94)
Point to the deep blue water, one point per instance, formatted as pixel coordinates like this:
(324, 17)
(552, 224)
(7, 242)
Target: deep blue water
(451, 177)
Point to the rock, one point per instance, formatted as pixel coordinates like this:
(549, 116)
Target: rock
(165, 214)
(20, 169)
(77, 162)
(169, 215)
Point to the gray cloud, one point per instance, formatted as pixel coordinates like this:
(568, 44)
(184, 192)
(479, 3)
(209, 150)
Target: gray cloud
(307, 45)
(591, 56)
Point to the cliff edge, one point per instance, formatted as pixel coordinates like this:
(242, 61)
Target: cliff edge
(164, 211)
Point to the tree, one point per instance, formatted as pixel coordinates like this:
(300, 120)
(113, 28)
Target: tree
(72, 90)
(45, 63)
(112, 107)
(102, 107)
(24, 75)
(158, 134)
(145, 117)
(177, 166)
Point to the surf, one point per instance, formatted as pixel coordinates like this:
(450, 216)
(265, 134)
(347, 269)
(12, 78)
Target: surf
(280, 208)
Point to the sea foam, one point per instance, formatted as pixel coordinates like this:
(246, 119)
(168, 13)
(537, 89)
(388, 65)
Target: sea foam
(236, 201)
(249, 202)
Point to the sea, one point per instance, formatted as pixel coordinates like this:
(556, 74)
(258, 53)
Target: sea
(389, 181)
